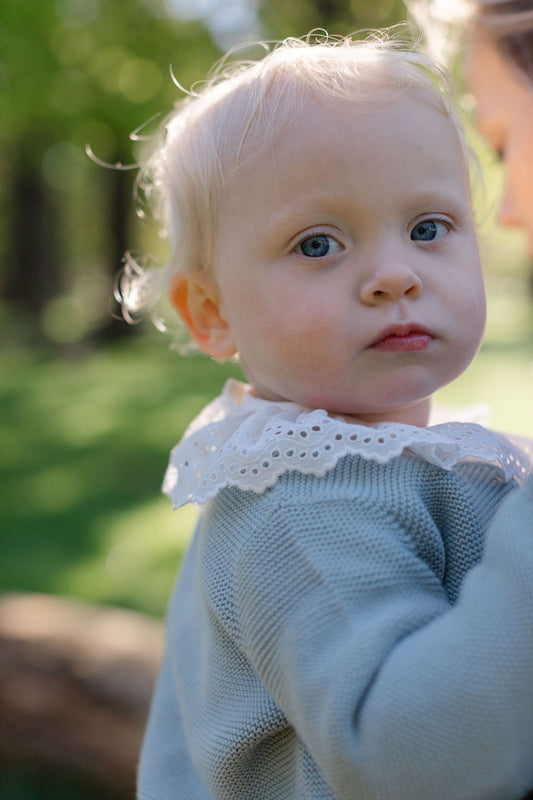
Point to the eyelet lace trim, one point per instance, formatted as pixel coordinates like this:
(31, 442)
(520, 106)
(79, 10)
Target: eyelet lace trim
(239, 440)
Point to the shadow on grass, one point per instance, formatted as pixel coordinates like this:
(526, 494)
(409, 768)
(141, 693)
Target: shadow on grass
(20, 783)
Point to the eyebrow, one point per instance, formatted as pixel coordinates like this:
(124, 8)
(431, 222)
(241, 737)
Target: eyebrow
(431, 196)
(296, 207)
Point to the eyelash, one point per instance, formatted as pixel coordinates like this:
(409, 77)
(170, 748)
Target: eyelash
(449, 223)
(316, 234)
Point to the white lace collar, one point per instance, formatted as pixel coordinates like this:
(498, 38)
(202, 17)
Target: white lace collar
(241, 440)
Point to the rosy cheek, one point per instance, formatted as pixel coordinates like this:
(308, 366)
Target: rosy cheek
(305, 340)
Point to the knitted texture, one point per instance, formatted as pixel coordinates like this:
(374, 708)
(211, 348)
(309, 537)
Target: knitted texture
(358, 635)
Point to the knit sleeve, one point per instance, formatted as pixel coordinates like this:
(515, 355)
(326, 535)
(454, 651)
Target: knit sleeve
(395, 693)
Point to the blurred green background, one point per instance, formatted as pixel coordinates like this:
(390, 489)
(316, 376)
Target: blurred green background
(89, 406)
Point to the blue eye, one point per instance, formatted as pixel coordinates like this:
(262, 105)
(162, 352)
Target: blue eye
(428, 230)
(318, 246)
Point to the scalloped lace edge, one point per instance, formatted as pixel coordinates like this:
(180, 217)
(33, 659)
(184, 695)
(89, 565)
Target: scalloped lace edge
(239, 440)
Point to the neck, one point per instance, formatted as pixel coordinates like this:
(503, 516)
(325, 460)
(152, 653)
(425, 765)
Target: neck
(416, 414)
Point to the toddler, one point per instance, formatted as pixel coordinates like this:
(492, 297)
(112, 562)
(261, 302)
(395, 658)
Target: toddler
(353, 618)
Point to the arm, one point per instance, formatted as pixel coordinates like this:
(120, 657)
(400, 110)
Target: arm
(395, 693)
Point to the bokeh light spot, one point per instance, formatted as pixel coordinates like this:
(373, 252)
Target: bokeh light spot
(140, 79)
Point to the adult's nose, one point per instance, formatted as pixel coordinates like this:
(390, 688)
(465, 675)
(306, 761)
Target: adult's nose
(509, 214)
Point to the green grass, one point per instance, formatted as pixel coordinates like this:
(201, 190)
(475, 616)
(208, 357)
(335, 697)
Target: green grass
(83, 447)
(84, 443)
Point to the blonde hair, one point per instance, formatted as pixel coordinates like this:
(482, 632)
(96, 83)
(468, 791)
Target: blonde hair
(241, 108)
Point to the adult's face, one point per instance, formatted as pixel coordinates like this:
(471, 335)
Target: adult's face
(504, 113)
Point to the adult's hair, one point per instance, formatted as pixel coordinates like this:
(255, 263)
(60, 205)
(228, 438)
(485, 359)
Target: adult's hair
(508, 23)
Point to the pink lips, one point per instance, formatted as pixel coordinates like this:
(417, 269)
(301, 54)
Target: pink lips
(403, 339)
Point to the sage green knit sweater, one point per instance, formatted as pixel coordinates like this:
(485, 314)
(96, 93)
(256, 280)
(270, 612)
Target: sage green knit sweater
(334, 638)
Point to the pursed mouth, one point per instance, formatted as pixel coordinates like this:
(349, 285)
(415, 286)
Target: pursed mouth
(403, 338)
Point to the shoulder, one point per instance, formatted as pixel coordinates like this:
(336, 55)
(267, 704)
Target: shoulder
(355, 502)
(390, 489)
(405, 506)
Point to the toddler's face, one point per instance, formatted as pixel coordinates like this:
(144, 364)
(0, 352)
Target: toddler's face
(346, 261)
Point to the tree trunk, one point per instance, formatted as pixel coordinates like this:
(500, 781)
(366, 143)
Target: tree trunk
(75, 686)
(34, 255)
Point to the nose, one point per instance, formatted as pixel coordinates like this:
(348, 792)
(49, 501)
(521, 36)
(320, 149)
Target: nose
(509, 215)
(389, 284)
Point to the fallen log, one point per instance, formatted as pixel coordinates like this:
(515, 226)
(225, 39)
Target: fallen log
(75, 686)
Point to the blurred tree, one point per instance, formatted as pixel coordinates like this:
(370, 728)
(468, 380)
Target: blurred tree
(336, 16)
(74, 72)
(77, 72)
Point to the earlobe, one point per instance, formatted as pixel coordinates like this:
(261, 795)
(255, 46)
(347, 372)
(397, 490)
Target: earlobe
(196, 301)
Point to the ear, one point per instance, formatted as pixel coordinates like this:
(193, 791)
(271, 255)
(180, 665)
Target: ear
(197, 302)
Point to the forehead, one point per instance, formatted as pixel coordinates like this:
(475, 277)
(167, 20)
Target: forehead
(346, 158)
(490, 77)
(484, 70)
(384, 129)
